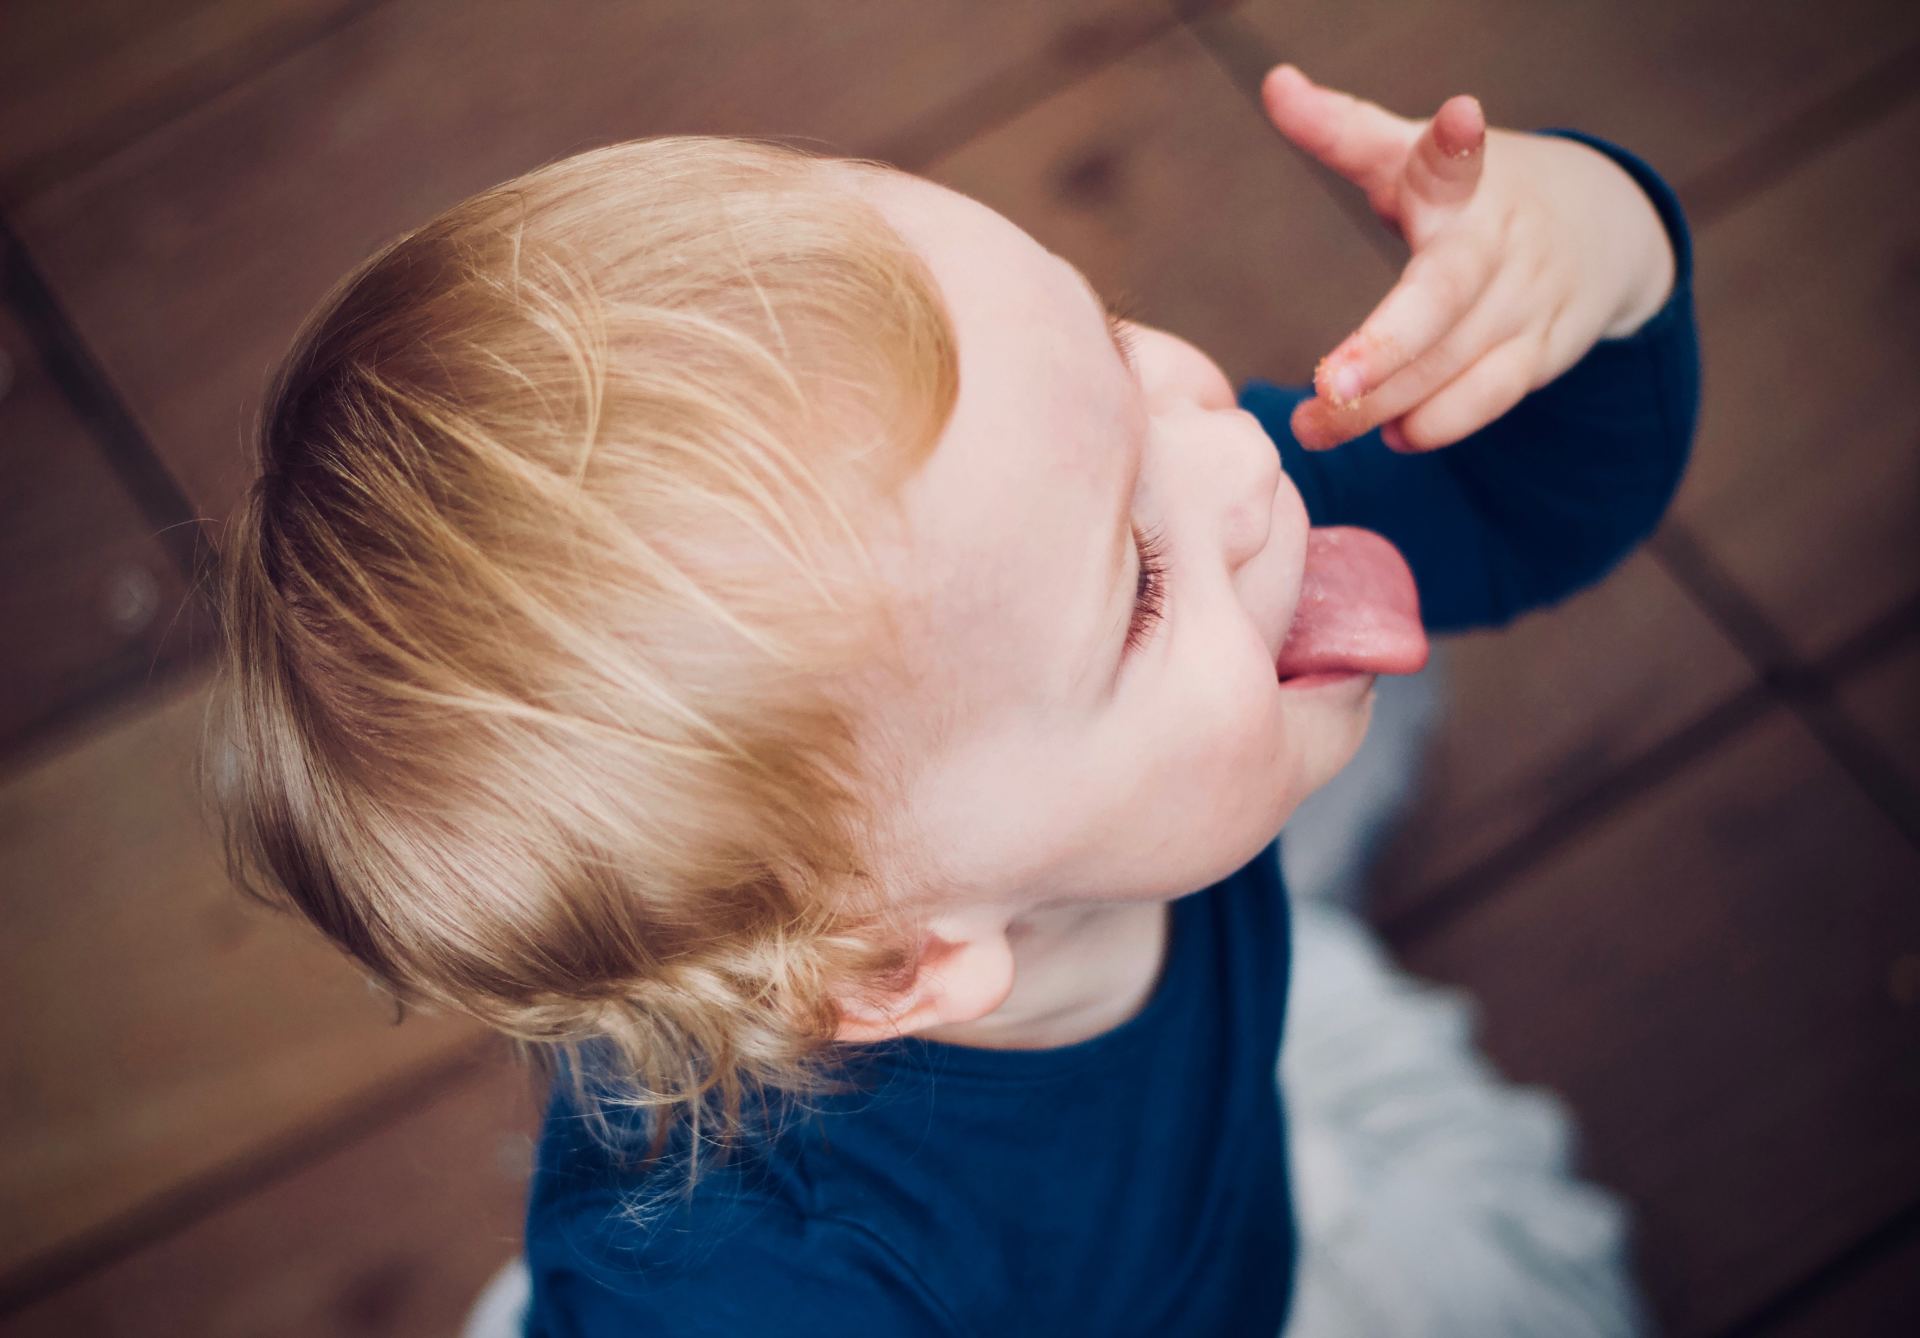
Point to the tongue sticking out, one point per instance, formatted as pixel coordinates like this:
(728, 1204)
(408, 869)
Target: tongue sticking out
(1359, 612)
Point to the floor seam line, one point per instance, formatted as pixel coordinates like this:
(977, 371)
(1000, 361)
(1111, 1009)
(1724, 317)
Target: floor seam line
(1455, 897)
(1010, 95)
(40, 175)
(179, 1207)
(1722, 188)
(1824, 1278)
(90, 394)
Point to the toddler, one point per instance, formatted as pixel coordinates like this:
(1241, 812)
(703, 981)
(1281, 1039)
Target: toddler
(759, 627)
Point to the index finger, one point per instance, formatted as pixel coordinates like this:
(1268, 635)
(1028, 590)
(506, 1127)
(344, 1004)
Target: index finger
(1435, 291)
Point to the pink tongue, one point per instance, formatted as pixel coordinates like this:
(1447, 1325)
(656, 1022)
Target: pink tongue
(1358, 612)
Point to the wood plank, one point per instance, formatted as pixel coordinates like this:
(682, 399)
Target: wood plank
(390, 1236)
(1878, 1299)
(1806, 484)
(1708, 975)
(1883, 700)
(173, 1027)
(1109, 172)
(1539, 713)
(189, 259)
(78, 78)
(1681, 85)
(91, 600)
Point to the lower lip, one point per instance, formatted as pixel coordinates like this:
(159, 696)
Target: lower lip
(1312, 682)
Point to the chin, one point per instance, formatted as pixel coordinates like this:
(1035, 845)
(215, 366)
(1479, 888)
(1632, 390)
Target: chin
(1341, 709)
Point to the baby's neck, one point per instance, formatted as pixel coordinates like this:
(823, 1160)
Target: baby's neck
(1079, 970)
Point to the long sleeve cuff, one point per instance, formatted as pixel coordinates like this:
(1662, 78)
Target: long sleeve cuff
(1602, 370)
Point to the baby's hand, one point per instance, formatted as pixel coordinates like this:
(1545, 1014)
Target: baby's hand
(1527, 250)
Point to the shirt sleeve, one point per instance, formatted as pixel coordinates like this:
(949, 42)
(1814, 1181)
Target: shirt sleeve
(1551, 496)
(765, 1269)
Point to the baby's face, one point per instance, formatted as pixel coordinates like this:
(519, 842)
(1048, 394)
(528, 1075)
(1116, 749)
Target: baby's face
(1087, 749)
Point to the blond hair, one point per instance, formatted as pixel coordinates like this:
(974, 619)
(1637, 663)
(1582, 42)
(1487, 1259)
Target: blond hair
(539, 610)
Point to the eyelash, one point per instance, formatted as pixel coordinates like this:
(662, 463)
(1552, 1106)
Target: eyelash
(1150, 601)
(1150, 598)
(1120, 317)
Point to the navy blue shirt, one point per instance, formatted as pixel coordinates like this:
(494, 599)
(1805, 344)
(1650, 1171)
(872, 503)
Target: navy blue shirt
(1136, 1182)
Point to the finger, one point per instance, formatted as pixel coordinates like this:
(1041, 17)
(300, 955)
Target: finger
(1436, 291)
(1446, 162)
(1321, 422)
(1476, 397)
(1363, 142)
(1318, 426)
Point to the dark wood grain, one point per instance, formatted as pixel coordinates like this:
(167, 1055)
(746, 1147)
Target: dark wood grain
(188, 259)
(1538, 714)
(1158, 180)
(90, 600)
(1877, 1296)
(1711, 976)
(161, 1025)
(1806, 484)
(388, 1238)
(1883, 702)
(80, 78)
(1684, 86)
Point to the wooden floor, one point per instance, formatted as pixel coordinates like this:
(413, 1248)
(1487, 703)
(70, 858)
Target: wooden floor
(1671, 833)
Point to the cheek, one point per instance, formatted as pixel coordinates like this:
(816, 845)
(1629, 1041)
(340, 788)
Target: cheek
(1234, 771)
(1240, 748)
(1256, 751)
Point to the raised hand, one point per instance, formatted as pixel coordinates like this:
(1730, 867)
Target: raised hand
(1526, 250)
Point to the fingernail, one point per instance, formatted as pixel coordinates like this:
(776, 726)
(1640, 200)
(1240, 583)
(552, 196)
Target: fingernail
(1346, 382)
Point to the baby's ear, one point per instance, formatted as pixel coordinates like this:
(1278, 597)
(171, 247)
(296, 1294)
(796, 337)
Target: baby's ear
(965, 971)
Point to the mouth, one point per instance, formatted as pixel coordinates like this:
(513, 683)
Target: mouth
(1358, 613)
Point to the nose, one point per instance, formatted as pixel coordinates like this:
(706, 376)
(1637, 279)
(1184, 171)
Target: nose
(1248, 464)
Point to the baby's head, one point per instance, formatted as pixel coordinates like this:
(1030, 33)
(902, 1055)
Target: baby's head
(699, 596)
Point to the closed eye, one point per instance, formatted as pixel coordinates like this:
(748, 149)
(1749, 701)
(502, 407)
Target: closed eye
(1120, 324)
(1150, 594)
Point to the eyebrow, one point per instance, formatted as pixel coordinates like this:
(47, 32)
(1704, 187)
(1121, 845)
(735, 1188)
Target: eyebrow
(1104, 644)
(1114, 316)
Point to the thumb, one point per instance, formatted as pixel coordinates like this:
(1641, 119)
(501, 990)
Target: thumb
(1446, 161)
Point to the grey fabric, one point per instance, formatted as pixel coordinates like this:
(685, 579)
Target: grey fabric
(1435, 1200)
(500, 1311)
